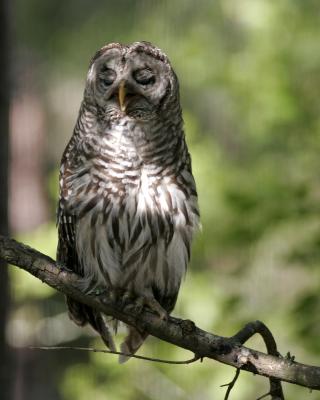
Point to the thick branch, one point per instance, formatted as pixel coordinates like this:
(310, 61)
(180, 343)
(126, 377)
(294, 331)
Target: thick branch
(182, 333)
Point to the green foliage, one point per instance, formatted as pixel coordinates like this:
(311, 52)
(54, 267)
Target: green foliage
(250, 78)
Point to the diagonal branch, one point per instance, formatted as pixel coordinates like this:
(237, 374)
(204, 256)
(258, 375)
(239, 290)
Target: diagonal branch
(182, 333)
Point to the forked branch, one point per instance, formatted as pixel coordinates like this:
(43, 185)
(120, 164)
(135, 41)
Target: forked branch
(182, 333)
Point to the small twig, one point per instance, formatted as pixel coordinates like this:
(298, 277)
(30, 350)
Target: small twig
(264, 396)
(231, 384)
(246, 333)
(257, 327)
(268, 394)
(119, 353)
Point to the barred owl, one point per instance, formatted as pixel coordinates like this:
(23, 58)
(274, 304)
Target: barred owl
(128, 203)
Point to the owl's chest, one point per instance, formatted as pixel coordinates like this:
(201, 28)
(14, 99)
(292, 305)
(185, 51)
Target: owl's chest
(127, 187)
(131, 200)
(124, 180)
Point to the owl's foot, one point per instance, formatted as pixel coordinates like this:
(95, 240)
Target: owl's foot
(121, 297)
(126, 298)
(152, 304)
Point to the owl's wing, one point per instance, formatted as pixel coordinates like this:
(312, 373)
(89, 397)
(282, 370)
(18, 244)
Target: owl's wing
(80, 313)
(67, 255)
(66, 252)
(66, 220)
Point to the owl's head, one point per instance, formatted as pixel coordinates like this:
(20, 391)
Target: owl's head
(135, 80)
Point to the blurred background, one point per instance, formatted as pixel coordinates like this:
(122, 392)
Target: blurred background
(249, 73)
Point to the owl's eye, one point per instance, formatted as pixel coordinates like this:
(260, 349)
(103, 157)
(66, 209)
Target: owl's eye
(107, 76)
(144, 76)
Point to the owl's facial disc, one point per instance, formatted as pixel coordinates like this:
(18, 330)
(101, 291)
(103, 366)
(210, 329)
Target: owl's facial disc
(118, 88)
(128, 82)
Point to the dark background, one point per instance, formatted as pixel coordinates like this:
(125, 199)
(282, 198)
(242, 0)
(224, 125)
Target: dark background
(250, 79)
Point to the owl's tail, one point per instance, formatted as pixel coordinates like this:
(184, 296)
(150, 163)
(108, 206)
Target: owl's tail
(131, 343)
(82, 314)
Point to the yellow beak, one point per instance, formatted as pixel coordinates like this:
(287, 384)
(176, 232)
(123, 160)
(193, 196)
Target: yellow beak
(122, 95)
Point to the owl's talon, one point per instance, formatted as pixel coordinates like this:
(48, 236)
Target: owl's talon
(125, 298)
(114, 295)
(121, 297)
(152, 304)
(138, 305)
(157, 308)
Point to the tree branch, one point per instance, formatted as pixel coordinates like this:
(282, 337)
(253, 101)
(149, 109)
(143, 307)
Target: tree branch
(182, 333)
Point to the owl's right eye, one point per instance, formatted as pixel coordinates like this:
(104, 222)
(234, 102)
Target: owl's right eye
(107, 76)
(144, 76)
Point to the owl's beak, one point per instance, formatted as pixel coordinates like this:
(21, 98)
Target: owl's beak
(122, 95)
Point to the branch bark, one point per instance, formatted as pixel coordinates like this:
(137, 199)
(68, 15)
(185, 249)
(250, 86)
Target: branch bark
(182, 333)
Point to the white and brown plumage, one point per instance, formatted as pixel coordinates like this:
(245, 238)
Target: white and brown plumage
(128, 203)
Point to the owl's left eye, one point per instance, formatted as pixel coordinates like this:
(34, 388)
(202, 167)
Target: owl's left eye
(107, 76)
(144, 76)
